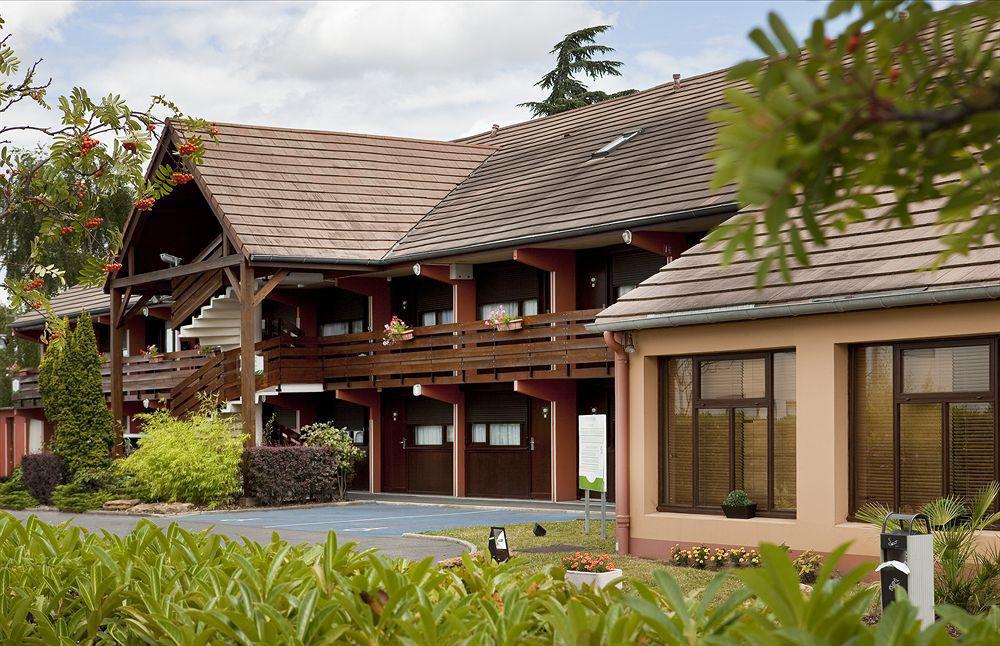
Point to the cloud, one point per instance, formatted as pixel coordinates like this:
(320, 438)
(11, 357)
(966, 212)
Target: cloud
(717, 53)
(32, 21)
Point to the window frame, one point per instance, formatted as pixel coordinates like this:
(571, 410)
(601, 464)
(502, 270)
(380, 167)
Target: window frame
(524, 436)
(698, 403)
(411, 432)
(899, 398)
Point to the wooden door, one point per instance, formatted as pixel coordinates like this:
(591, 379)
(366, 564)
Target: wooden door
(541, 449)
(596, 397)
(592, 282)
(394, 477)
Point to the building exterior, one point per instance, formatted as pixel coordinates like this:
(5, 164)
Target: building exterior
(864, 380)
(275, 270)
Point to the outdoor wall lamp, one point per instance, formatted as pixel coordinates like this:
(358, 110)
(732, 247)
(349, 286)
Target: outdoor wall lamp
(395, 416)
(416, 269)
(593, 281)
(627, 237)
(171, 259)
(145, 403)
(629, 343)
(545, 412)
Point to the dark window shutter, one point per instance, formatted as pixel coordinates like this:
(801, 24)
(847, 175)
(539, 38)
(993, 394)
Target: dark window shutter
(433, 296)
(633, 267)
(496, 406)
(340, 305)
(506, 282)
(423, 410)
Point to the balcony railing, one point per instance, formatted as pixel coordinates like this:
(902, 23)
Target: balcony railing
(548, 346)
(142, 377)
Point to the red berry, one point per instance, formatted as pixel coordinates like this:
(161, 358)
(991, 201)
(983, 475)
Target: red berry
(187, 149)
(853, 43)
(144, 204)
(894, 73)
(130, 146)
(830, 43)
(180, 179)
(66, 230)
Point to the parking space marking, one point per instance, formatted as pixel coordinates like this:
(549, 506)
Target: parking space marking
(382, 518)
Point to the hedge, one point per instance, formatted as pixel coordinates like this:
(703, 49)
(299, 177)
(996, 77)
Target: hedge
(42, 473)
(289, 474)
(167, 585)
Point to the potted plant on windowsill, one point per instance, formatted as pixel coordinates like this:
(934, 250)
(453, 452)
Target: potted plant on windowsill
(396, 330)
(153, 354)
(501, 321)
(594, 570)
(738, 504)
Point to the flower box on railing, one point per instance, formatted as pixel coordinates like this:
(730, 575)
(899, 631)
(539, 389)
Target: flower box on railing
(513, 324)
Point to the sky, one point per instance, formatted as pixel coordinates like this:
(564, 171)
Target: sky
(417, 69)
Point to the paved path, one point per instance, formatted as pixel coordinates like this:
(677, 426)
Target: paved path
(378, 526)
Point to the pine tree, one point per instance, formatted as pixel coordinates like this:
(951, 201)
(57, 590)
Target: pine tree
(73, 397)
(574, 55)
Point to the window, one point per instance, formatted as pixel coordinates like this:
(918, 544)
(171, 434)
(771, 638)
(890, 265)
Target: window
(617, 141)
(497, 434)
(428, 435)
(729, 424)
(437, 317)
(342, 327)
(621, 290)
(922, 421)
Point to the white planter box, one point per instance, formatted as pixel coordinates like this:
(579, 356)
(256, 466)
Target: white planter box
(594, 579)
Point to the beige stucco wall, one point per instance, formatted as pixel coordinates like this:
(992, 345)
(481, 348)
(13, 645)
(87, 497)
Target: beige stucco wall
(821, 344)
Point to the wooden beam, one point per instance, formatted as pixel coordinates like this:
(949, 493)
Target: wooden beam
(207, 251)
(248, 379)
(269, 286)
(117, 393)
(177, 272)
(231, 277)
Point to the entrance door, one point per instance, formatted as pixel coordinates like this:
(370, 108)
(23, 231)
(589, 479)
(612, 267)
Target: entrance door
(9, 441)
(394, 478)
(541, 449)
(596, 397)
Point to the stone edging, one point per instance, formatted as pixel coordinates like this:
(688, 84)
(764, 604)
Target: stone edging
(472, 549)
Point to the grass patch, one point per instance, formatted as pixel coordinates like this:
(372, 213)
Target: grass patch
(570, 532)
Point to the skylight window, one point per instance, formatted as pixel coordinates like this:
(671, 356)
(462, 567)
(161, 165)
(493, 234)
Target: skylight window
(617, 141)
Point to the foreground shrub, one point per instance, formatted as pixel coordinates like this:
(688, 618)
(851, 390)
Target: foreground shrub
(171, 586)
(76, 498)
(69, 380)
(290, 474)
(195, 459)
(43, 472)
(345, 451)
(13, 496)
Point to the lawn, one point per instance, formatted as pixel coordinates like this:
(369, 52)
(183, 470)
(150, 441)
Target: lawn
(570, 533)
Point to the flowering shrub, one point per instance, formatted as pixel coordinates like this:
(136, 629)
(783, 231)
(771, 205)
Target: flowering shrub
(394, 330)
(701, 557)
(498, 318)
(587, 562)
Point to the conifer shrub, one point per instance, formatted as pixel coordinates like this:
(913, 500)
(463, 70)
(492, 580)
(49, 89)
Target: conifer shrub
(69, 379)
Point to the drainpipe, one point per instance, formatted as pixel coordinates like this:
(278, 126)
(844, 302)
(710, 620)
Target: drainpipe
(621, 443)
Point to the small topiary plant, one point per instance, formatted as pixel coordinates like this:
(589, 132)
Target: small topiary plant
(43, 472)
(738, 498)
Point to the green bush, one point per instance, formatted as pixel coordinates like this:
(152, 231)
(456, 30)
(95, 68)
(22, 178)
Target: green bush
(807, 566)
(77, 498)
(14, 496)
(345, 451)
(69, 379)
(195, 459)
(167, 585)
(738, 498)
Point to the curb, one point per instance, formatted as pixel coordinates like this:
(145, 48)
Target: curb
(205, 512)
(472, 549)
(538, 510)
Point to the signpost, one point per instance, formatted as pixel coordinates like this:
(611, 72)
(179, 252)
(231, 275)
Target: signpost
(498, 545)
(593, 461)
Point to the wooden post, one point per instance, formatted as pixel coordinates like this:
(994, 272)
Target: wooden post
(248, 379)
(117, 387)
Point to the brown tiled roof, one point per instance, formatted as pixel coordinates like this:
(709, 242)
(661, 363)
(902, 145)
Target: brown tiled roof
(543, 181)
(874, 257)
(329, 195)
(69, 303)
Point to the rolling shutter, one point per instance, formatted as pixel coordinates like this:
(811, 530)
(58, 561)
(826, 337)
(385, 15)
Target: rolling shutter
(633, 267)
(426, 411)
(433, 296)
(496, 406)
(506, 282)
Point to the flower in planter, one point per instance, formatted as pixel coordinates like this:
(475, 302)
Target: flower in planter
(587, 562)
(395, 330)
(152, 351)
(498, 319)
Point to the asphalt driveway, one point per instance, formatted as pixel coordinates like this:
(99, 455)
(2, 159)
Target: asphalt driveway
(370, 525)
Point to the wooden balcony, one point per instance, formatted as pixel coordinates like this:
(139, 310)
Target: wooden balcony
(143, 378)
(548, 346)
